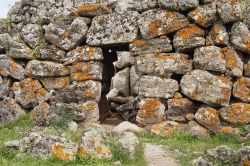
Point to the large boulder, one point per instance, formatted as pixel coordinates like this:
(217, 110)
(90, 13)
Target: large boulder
(241, 89)
(157, 22)
(237, 113)
(127, 127)
(203, 86)
(156, 87)
(208, 118)
(204, 15)
(9, 67)
(37, 68)
(240, 37)
(189, 38)
(157, 45)
(117, 28)
(151, 111)
(66, 36)
(29, 93)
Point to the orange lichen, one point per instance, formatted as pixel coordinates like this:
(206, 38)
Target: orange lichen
(82, 76)
(65, 34)
(242, 89)
(59, 153)
(85, 8)
(83, 153)
(154, 28)
(99, 150)
(41, 92)
(138, 42)
(248, 46)
(150, 107)
(228, 130)
(189, 32)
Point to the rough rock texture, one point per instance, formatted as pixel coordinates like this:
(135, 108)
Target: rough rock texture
(153, 23)
(237, 113)
(4, 87)
(244, 155)
(151, 86)
(40, 113)
(127, 127)
(195, 85)
(229, 10)
(180, 106)
(197, 130)
(241, 89)
(204, 15)
(189, 38)
(29, 93)
(151, 111)
(113, 29)
(208, 118)
(66, 37)
(165, 128)
(129, 143)
(200, 161)
(156, 45)
(37, 68)
(50, 52)
(218, 35)
(182, 5)
(240, 37)
(55, 83)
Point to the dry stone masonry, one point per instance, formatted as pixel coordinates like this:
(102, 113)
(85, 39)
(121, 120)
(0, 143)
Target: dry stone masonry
(165, 65)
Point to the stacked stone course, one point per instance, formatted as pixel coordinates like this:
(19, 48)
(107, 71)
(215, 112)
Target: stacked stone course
(181, 64)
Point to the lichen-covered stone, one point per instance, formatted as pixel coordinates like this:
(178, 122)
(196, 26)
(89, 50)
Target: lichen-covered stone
(9, 67)
(223, 153)
(133, 5)
(203, 86)
(118, 28)
(240, 37)
(50, 52)
(244, 156)
(210, 58)
(230, 130)
(155, 23)
(151, 111)
(32, 34)
(229, 10)
(134, 81)
(81, 71)
(247, 66)
(92, 10)
(165, 129)
(37, 68)
(4, 87)
(237, 113)
(204, 15)
(55, 83)
(89, 111)
(156, 87)
(19, 50)
(234, 61)
(241, 89)
(121, 82)
(39, 114)
(208, 118)
(10, 110)
(189, 38)
(163, 64)
(65, 151)
(200, 161)
(94, 144)
(83, 54)
(80, 91)
(218, 35)
(66, 37)
(157, 45)
(182, 5)
(180, 106)
(29, 93)
(172, 63)
(5, 40)
(124, 59)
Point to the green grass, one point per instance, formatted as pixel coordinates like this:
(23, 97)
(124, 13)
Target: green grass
(190, 147)
(8, 156)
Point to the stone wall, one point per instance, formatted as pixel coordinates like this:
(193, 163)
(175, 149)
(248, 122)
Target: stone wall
(183, 61)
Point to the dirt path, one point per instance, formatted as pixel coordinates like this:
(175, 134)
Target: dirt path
(156, 155)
